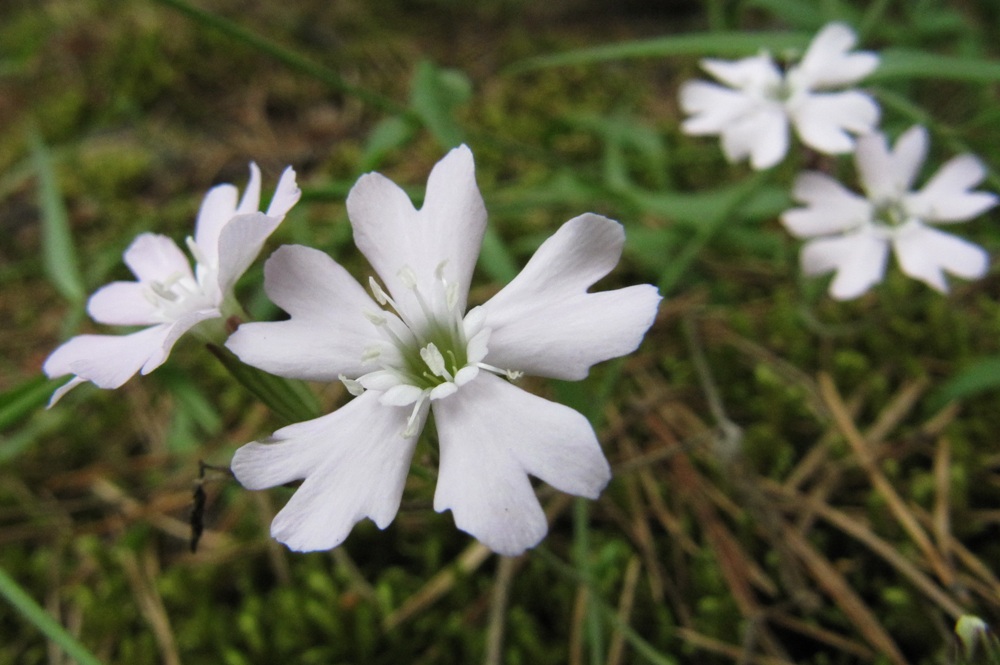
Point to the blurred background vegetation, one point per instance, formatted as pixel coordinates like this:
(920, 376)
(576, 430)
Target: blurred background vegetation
(796, 480)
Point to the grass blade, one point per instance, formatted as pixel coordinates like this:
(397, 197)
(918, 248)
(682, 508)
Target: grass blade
(714, 44)
(905, 64)
(59, 257)
(42, 620)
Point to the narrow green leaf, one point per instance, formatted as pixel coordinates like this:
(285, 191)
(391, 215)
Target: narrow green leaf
(388, 135)
(24, 399)
(38, 617)
(983, 375)
(290, 400)
(714, 44)
(59, 256)
(435, 95)
(905, 64)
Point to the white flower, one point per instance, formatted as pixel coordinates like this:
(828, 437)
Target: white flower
(852, 234)
(411, 348)
(167, 295)
(752, 114)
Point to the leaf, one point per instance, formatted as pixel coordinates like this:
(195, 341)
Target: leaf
(388, 135)
(905, 64)
(434, 96)
(983, 375)
(59, 256)
(24, 399)
(290, 400)
(715, 44)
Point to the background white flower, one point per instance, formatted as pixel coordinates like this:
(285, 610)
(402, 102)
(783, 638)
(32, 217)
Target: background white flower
(852, 234)
(411, 347)
(167, 295)
(753, 109)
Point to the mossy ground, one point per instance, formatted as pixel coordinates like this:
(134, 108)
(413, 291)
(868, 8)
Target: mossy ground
(791, 483)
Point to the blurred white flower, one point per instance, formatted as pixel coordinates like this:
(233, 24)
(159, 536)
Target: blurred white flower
(752, 110)
(411, 348)
(852, 233)
(167, 295)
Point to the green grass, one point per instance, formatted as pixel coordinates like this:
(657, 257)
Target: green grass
(797, 480)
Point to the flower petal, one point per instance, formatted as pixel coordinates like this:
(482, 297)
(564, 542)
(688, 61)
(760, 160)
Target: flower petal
(174, 332)
(886, 175)
(106, 360)
(761, 135)
(825, 121)
(354, 462)
(251, 195)
(122, 304)
(155, 258)
(712, 107)
(217, 208)
(946, 196)
(831, 208)
(757, 72)
(545, 323)
(448, 229)
(286, 194)
(925, 253)
(240, 242)
(858, 258)
(492, 435)
(327, 333)
(827, 63)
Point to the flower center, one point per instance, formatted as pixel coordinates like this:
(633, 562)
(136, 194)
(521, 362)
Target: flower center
(889, 214)
(424, 358)
(179, 294)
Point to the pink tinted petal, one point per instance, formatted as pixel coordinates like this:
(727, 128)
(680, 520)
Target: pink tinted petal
(761, 135)
(353, 461)
(327, 333)
(827, 64)
(449, 228)
(832, 208)
(826, 121)
(925, 253)
(286, 195)
(946, 197)
(239, 244)
(492, 435)
(122, 304)
(545, 323)
(106, 360)
(152, 257)
(858, 259)
(757, 72)
(713, 107)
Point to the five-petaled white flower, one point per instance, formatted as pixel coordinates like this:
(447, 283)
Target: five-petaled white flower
(852, 234)
(753, 113)
(167, 295)
(410, 348)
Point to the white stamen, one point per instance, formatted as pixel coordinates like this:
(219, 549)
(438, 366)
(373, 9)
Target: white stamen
(370, 354)
(408, 277)
(434, 361)
(353, 387)
(376, 318)
(411, 423)
(381, 297)
(199, 256)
